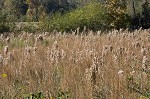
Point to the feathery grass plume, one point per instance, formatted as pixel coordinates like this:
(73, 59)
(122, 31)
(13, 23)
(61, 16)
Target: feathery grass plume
(137, 44)
(120, 72)
(55, 53)
(10, 57)
(145, 63)
(8, 39)
(55, 45)
(5, 50)
(88, 65)
(31, 34)
(40, 38)
(115, 59)
(143, 50)
(6, 61)
(105, 50)
(63, 54)
(46, 34)
(1, 59)
(28, 49)
(110, 48)
(27, 52)
(2, 36)
(88, 73)
(99, 32)
(132, 73)
(121, 51)
(34, 50)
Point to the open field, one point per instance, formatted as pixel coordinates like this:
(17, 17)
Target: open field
(115, 65)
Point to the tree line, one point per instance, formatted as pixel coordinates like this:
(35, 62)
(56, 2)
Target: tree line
(120, 13)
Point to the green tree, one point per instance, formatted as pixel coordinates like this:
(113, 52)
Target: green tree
(13, 9)
(33, 9)
(146, 15)
(8, 9)
(3, 24)
(117, 16)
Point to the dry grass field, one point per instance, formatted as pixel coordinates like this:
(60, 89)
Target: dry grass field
(114, 65)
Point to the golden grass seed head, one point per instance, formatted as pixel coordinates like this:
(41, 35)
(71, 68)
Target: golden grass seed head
(1, 59)
(63, 54)
(10, 57)
(35, 48)
(40, 38)
(55, 45)
(145, 78)
(99, 32)
(137, 44)
(124, 35)
(46, 33)
(105, 50)
(121, 50)
(5, 50)
(143, 51)
(5, 61)
(2, 36)
(30, 35)
(28, 49)
(115, 59)
(94, 67)
(145, 62)
(132, 73)
(120, 72)
(88, 73)
(111, 48)
(8, 39)
(109, 36)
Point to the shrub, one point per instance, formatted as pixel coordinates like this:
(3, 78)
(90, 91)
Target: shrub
(3, 26)
(34, 96)
(91, 16)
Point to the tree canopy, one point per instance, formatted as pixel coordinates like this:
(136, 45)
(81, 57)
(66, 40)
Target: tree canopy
(119, 13)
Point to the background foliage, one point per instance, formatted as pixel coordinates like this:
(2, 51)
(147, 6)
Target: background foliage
(65, 15)
(87, 16)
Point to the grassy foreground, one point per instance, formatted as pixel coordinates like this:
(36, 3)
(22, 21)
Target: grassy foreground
(68, 66)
